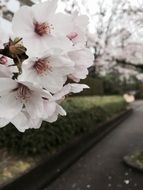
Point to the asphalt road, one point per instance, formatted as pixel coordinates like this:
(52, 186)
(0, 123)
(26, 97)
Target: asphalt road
(102, 167)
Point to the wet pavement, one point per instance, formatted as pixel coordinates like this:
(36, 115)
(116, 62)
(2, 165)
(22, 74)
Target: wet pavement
(102, 167)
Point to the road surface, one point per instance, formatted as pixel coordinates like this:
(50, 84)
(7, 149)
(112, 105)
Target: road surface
(102, 167)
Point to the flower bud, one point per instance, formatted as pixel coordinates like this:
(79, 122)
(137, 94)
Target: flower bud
(16, 48)
(3, 60)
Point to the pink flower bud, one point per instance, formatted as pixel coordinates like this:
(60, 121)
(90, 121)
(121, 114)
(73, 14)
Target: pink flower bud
(72, 35)
(3, 60)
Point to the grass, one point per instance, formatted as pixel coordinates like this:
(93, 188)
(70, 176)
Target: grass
(88, 102)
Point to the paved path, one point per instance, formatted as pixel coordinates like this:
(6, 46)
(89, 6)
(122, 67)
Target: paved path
(102, 167)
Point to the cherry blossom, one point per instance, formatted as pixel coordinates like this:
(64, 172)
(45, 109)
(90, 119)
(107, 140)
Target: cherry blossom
(22, 121)
(7, 67)
(83, 59)
(76, 31)
(45, 50)
(17, 95)
(49, 70)
(51, 110)
(69, 88)
(38, 26)
(5, 71)
(3, 122)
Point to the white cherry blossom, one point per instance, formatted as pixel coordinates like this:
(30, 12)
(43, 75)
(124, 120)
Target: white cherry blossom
(69, 88)
(49, 70)
(83, 59)
(17, 95)
(51, 110)
(6, 68)
(45, 50)
(3, 122)
(22, 121)
(39, 27)
(76, 32)
(5, 71)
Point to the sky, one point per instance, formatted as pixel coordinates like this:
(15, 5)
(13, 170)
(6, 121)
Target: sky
(90, 5)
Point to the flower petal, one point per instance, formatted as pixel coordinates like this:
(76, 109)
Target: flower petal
(54, 117)
(3, 122)
(53, 82)
(10, 106)
(34, 105)
(23, 22)
(5, 71)
(42, 11)
(49, 108)
(6, 85)
(76, 88)
(20, 121)
(71, 87)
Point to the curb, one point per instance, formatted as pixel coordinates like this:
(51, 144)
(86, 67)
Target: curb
(49, 169)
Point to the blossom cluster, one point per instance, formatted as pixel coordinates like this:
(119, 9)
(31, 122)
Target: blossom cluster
(41, 62)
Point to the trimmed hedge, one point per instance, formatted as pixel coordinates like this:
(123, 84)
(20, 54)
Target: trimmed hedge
(84, 113)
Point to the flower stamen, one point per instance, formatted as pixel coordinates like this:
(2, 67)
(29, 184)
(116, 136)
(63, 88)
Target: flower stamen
(41, 66)
(42, 28)
(23, 91)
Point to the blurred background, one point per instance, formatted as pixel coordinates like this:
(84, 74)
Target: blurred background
(115, 36)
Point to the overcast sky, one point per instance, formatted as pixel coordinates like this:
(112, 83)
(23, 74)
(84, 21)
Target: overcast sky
(90, 5)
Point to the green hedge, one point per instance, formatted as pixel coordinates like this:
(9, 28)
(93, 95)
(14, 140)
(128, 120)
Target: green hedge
(84, 113)
(96, 87)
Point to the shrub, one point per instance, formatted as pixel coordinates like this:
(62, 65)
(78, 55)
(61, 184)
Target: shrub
(84, 113)
(96, 87)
